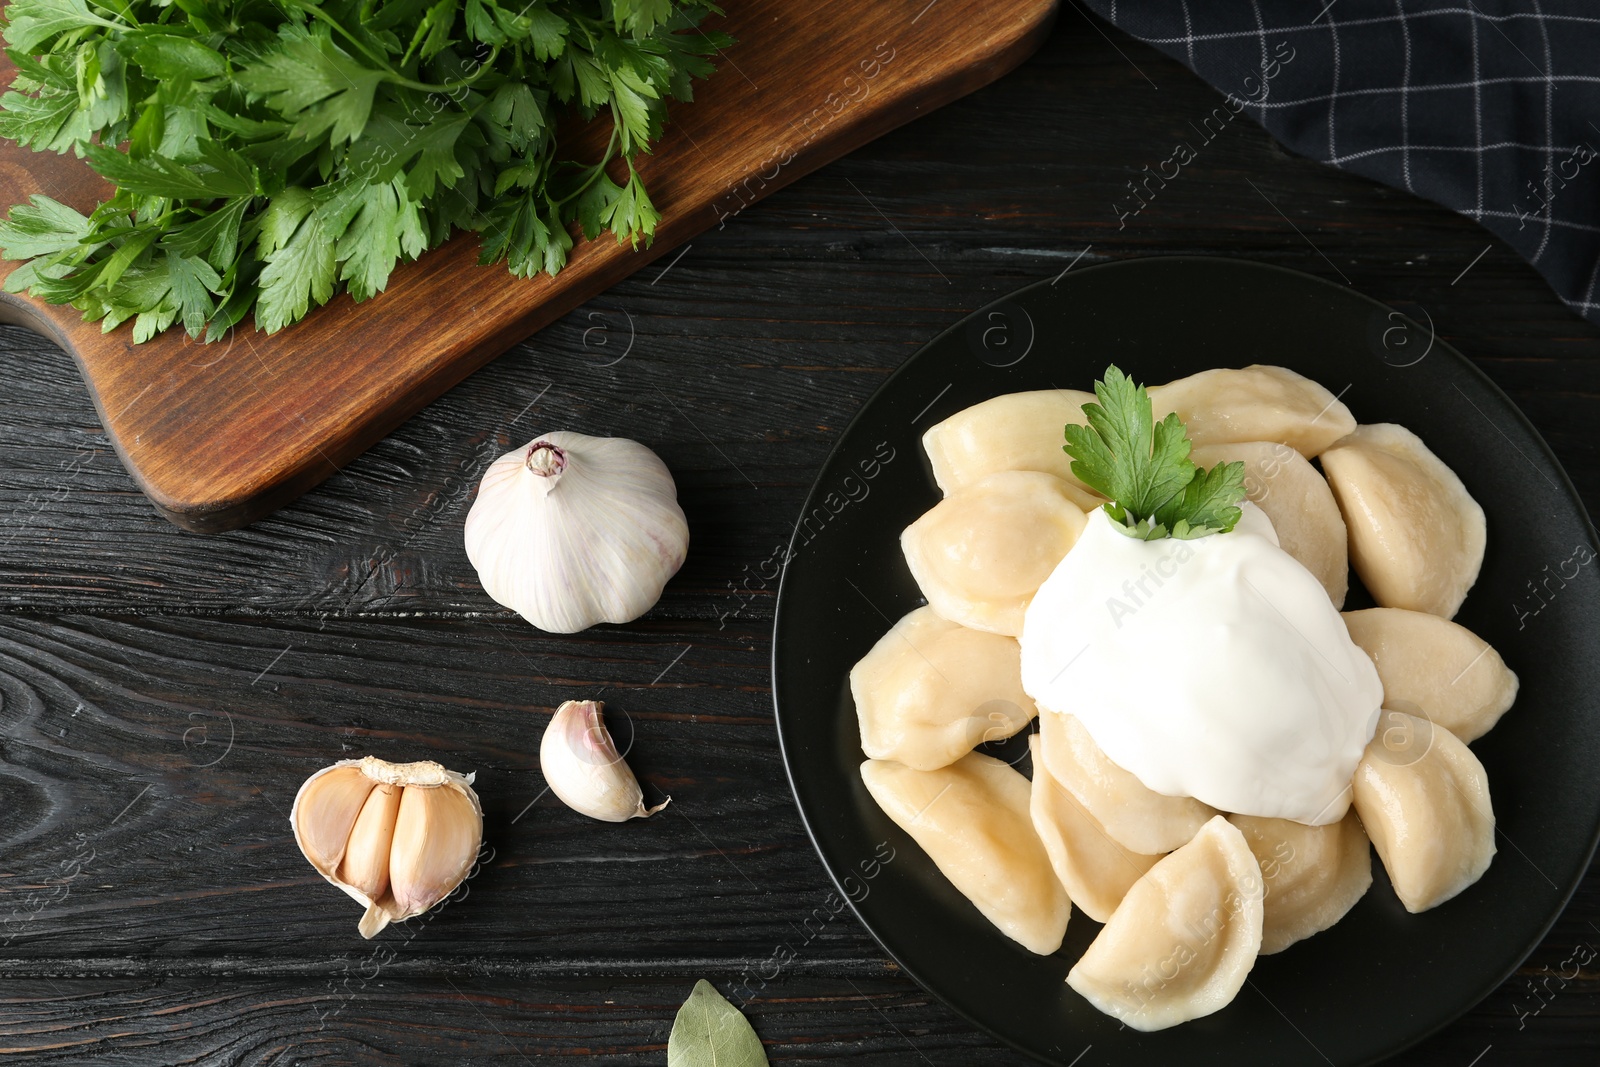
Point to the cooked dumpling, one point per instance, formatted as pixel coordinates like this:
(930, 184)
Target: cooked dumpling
(1095, 870)
(1015, 432)
(1284, 484)
(981, 553)
(1255, 404)
(1424, 799)
(1313, 874)
(1183, 940)
(1416, 535)
(1137, 818)
(971, 818)
(1438, 667)
(930, 691)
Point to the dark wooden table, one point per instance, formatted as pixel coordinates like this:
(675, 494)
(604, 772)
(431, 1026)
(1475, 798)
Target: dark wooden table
(163, 694)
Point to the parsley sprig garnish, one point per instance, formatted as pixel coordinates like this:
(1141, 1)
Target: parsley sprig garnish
(1143, 467)
(268, 154)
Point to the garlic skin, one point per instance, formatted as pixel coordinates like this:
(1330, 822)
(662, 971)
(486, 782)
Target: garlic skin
(582, 767)
(572, 530)
(397, 837)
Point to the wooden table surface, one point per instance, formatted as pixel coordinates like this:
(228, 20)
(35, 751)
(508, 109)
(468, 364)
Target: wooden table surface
(163, 694)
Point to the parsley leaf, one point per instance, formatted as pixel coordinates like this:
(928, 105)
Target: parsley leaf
(192, 284)
(30, 23)
(632, 215)
(1143, 467)
(437, 163)
(45, 228)
(214, 236)
(216, 173)
(1208, 504)
(299, 260)
(308, 78)
(49, 120)
(547, 33)
(1121, 455)
(386, 227)
(176, 56)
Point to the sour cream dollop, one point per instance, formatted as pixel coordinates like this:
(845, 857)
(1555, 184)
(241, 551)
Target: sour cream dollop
(1215, 668)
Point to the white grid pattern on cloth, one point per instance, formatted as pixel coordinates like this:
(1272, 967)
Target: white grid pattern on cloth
(1472, 104)
(1333, 97)
(1549, 136)
(1405, 99)
(1261, 29)
(1477, 117)
(1415, 90)
(1404, 16)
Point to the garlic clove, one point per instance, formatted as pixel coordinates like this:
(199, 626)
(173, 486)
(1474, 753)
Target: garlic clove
(572, 530)
(373, 920)
(410, 834)
(365, 866)
(333, 797)
(436, 837)
(583, 768)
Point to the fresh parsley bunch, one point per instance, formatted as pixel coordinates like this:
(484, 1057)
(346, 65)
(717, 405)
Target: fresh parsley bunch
(267, 153)
(1143, 467)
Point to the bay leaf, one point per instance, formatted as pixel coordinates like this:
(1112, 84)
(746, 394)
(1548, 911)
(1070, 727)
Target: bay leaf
(710, 1032)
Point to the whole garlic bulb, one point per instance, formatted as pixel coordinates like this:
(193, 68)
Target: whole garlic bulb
(397, 837)
(573, 530)
(583, 768)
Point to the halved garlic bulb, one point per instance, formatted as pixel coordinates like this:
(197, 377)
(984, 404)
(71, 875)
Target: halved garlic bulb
(397, 837)
(572, 530)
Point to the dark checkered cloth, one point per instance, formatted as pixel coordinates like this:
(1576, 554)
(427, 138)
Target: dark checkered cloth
(1489, 107)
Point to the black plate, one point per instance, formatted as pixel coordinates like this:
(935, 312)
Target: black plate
(1381, 979)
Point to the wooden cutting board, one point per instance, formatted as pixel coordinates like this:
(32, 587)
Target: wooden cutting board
(219, 435)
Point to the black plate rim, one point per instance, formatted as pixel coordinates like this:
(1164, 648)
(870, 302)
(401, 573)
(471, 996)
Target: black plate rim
(816, 490)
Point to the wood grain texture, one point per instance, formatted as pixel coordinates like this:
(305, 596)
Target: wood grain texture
(196, 935)
(171, 748)
(219, 435)
(389, 1021)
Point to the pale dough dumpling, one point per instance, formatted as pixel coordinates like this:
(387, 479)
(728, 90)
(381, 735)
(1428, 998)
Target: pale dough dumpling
(1015, 432)
(1438, 667)
(930, 691)
(1313, 874)
(1137, 818)
(981, 553)
(1095, 870)
(1183, 940)
(1284, 484)
(1255, 404)
(1424, 799)
(971, 818)
(1416, 535)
